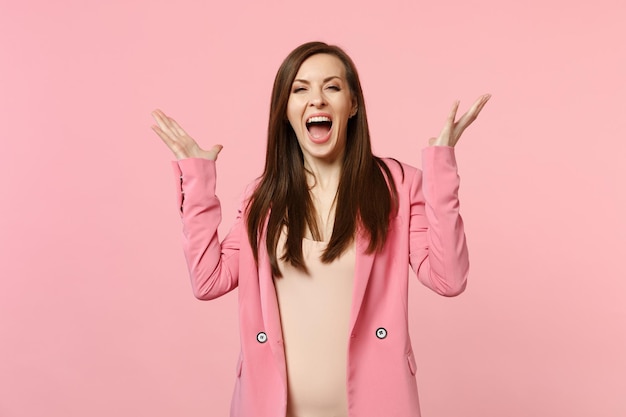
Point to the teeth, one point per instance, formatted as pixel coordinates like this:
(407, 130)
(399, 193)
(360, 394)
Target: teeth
(317, 119)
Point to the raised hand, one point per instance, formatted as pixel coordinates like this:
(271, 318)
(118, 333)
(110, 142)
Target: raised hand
(182, 145)
(452, 130)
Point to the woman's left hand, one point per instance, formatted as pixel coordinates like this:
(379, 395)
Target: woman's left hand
(452, 130)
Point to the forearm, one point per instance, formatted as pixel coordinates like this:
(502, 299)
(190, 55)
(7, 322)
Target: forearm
(213, 266)
(443, 263)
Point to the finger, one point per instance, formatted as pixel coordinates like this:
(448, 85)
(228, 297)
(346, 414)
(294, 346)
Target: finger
(176, 148)
(167, 123)
(214, 151)
(445, 136)
(159, 115)
(452, 114)
(449, 125)
(479, 104)
(161, 118)
(431, 141)
(472, 113)
(168, 141)
(179, 130)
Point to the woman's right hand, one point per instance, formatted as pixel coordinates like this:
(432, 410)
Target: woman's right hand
(182, 145)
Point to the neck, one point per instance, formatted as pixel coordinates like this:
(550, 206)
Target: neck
(322, 175)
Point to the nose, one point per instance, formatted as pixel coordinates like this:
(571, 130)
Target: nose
(317, 98)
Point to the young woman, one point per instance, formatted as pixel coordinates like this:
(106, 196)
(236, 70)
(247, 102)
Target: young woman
(321, 247)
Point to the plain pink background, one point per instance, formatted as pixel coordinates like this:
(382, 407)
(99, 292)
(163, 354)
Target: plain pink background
(96, 312)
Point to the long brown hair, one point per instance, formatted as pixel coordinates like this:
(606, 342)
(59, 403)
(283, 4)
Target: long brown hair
(366, 195)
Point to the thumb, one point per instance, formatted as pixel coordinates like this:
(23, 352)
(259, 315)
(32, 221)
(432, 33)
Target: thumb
(431, 141)
(214, 151)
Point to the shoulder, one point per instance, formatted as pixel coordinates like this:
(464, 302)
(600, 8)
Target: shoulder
(401, 172)
(249, 190)
(251, 187)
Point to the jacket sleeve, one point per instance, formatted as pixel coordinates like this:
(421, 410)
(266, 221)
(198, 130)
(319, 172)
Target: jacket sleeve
(438, 248)
(213, 266)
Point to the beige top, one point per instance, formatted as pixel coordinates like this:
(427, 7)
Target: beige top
(315, 318)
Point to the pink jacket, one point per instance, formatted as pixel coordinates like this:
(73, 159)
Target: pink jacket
(427, 234)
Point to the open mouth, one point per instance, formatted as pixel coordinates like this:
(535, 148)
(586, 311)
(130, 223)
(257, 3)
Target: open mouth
(319, 126)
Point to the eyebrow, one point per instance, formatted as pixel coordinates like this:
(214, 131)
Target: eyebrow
(325, 79)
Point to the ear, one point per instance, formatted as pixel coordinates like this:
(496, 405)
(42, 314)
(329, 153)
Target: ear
(355, 109)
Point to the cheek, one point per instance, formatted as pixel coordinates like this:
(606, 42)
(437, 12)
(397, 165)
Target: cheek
(293, 123)
(292, 115)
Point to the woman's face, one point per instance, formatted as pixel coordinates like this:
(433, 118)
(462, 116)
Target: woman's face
(319, 106)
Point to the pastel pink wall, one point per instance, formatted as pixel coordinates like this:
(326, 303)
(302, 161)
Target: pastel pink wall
(96, 313)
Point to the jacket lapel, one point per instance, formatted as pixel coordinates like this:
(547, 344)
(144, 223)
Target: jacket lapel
(269, 301)
(362, 271)
(270, 311)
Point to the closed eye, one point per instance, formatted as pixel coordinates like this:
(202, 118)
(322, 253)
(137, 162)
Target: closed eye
(333, 87)
(298, 89)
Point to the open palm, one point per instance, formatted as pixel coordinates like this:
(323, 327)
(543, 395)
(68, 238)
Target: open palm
(181, 144)
(452, 130)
